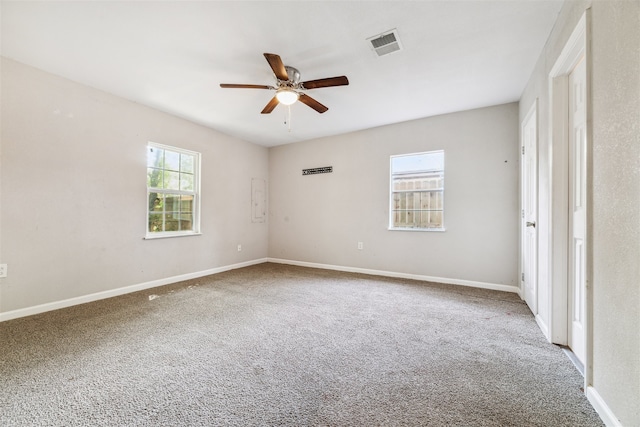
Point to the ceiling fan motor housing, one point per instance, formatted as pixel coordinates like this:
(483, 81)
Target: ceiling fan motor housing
(293, 73)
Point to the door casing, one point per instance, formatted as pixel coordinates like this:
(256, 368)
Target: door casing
(575, 49)
(529, 209)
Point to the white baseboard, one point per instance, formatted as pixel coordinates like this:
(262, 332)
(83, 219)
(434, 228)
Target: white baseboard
(601, 407)
(37, 309)
(29, 311)
(474, 284)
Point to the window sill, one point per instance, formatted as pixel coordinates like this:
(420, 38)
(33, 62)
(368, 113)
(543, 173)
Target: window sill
(168, 235)
(438, 230)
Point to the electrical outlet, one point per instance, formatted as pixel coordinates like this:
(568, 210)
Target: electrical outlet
(239, 248)
(3, 270)
(360, 245)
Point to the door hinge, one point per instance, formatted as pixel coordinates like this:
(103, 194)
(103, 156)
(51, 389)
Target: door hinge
(522, 213)
(523, 149)
(523, 277)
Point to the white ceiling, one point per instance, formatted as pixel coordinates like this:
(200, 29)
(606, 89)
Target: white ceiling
(172, 56)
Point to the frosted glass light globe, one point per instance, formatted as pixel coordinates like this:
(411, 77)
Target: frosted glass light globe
(287, 96)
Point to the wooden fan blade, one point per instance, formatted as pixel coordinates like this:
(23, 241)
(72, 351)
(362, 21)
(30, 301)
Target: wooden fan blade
(277, 66)
(328, 82)
(270, 106)
(238, 86)
(307, 100)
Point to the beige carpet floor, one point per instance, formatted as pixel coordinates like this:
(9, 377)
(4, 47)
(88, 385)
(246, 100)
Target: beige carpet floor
(276, 345)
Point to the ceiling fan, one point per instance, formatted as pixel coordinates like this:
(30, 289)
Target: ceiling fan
(289, 88)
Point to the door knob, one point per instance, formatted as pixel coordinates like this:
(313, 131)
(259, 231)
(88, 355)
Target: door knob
(531, 224)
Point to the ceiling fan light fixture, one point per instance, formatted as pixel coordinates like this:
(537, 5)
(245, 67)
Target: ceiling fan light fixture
(288, 86)
(287, 96)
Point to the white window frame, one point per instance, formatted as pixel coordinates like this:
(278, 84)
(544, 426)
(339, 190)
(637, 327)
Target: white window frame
(392, 192)
(195, 231)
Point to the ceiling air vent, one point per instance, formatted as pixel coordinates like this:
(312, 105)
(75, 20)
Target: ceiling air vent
(386, 43)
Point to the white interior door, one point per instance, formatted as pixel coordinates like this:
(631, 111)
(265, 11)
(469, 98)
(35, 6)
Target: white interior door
(529, 215)
(577, 209)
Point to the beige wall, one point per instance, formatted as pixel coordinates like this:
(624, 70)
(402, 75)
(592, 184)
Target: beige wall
(614, 190)
(321, 218)
(616, 205)
(74, 192)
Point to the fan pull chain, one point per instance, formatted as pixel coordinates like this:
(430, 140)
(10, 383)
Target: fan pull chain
(287, 119)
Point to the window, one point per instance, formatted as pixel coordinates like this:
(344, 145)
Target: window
(417, 191)
(173, 182)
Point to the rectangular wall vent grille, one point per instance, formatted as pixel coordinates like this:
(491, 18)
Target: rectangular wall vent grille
(386, 43)
(314, 171)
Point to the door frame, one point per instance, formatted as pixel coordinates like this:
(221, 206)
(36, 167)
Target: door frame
(576, 47)
(531, 115)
